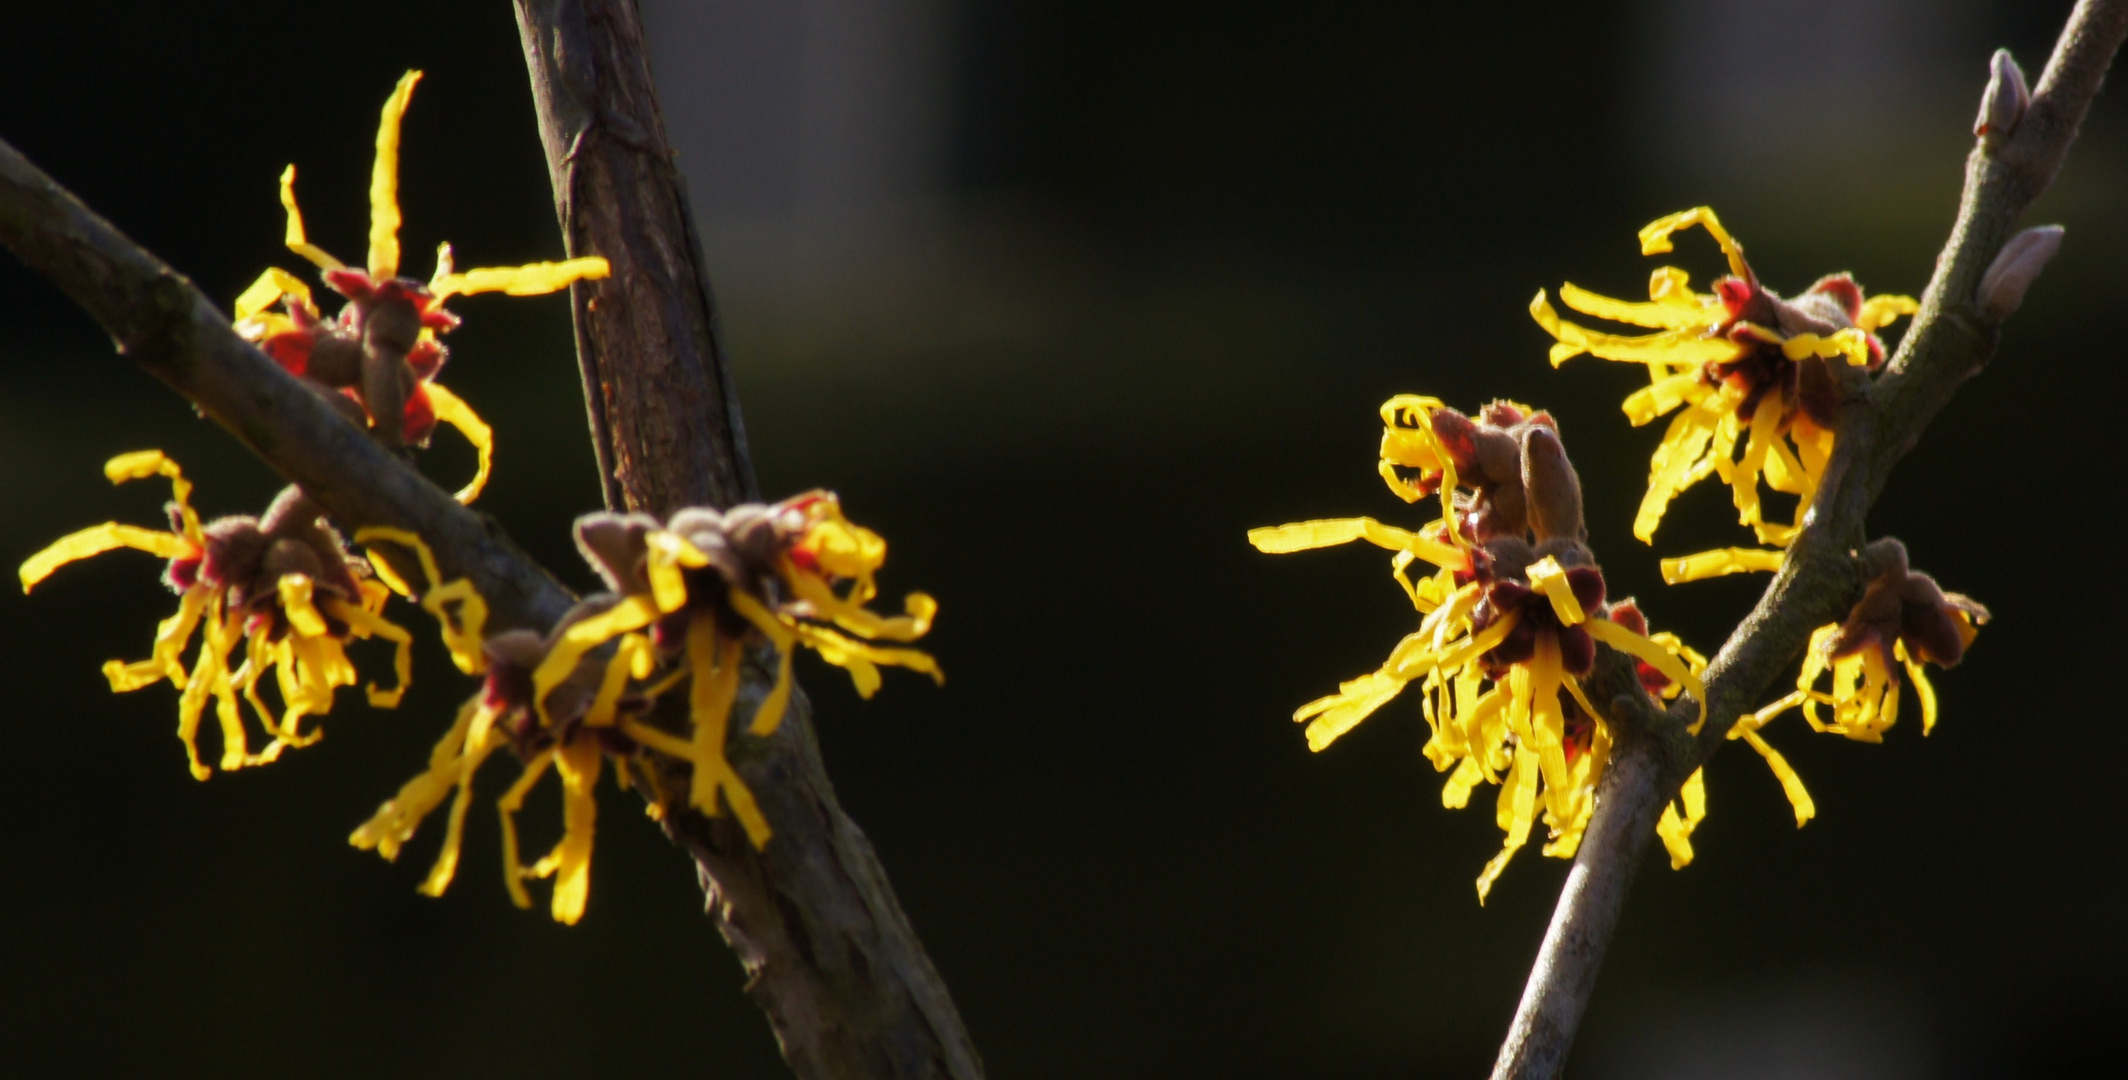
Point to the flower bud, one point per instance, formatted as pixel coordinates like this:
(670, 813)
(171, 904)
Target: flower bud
(2004, 103)
(2014, 270)
(1553, 489)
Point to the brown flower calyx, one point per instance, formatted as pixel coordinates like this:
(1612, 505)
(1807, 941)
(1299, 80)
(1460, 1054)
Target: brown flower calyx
(372, 359)
(1903, 606)
(250, 555)
(1831, 305)
(743, 544)
(1502, 564)
(512, 657)
(1520, 481)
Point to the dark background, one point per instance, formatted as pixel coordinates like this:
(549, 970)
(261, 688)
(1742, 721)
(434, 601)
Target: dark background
(1063, 297)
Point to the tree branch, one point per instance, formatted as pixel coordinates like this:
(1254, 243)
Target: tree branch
(1950, 340)
(832, 959)
(161, 321)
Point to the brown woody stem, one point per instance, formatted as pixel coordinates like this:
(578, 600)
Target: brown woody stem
(831, 957)
(1950, 341)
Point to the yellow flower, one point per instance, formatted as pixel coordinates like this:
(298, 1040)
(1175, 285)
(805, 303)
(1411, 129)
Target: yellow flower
(499, 716)
(281, 586)
(689, 597)
(1510, 619)
(382, 350)
(1744, 365)
(1903, 620)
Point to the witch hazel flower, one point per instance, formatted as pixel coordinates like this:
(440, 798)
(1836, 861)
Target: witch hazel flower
(688, 599)
(1510, 618)
(1741, 366)
(1903, 622)
(276, 595)
(380, 354)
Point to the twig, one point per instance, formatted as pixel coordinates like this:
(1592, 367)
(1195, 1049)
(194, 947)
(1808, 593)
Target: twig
(166, 325)
(1951, 339)
(831, 957)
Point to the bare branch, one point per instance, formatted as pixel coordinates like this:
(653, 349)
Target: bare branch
(1951, 339)
(162, 322)
(831, 957)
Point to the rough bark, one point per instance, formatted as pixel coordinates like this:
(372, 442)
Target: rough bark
(832, 959)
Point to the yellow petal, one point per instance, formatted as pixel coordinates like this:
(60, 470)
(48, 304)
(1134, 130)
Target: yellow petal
(482, 742)
(268, 290)
(1926, 692)
(1549, 578)
(1305, 535)
(578, 762)
(1632, 644)
(97, 539)
(513, 871)
(1883, 310)
(294, 237)
(1675, 312)
(1655, 236)
(1661, 396)
(451, 409)
(364, 623)
(302, 615)
(396, 820)
(1668, 346)
(532, 279)
(1798, 797)
(669, 553)
(1518, 810)
(384, 182)
(1851, 343)
(171, 636)
(1716, 563)
(582, 636)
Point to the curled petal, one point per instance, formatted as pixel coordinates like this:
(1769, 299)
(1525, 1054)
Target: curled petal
(452, 410)
(294, 237)
(1655, 236)
(97, 539)
(1657, 657)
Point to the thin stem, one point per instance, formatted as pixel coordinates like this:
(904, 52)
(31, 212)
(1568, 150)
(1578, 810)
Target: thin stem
(1950, 341)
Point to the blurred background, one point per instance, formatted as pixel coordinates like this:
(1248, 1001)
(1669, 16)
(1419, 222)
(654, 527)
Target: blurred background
(1063, 297)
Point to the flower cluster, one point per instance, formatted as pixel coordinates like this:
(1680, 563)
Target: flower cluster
(688, 599)
(647, 673)
(1513, 611)
(1745, 365)
(281, 586)
(378, 357)
(1903, 620)
(1510, 618)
